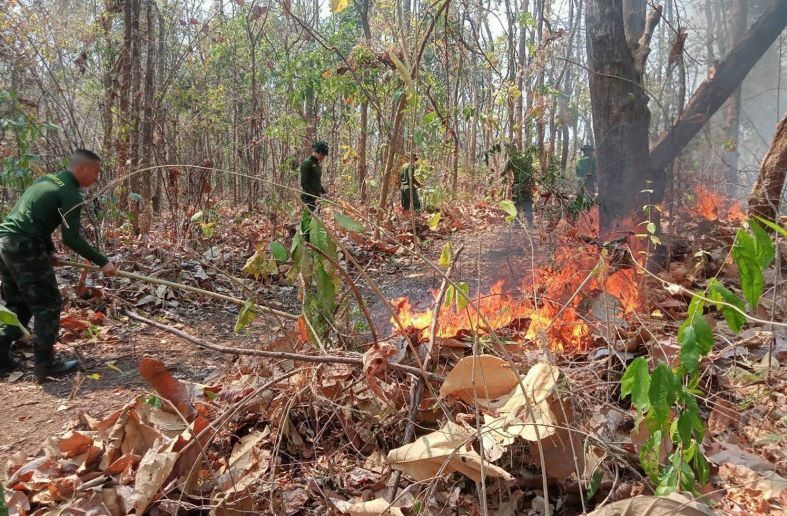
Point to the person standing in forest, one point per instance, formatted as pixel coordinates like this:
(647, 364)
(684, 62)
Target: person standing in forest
(586, 171)
(520, 167)
(409, 185)
(27, 257)
(311, 175)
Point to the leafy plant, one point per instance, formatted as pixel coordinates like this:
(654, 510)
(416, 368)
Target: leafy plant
(666, 398)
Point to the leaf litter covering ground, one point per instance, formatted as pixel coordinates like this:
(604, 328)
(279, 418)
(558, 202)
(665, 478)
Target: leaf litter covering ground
(321, 441)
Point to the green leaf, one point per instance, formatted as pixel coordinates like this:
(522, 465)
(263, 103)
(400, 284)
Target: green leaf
(689, 348)
(595, 483)
(510, 209)
(661, 394)
(704, 335)
(318, 235)
(9, 318)
(326, 289)
(462, 295)
(744, 253)
(348, 223)
(651, 228)
(279, 252)
(701, 466)
(194, 218)
(259, 264)
(338, 6)
(772, 225)
(446, 255)
(246, 316)
(636, 383)
(649, 455)
(434, 221)
(683, 428)
(450, 295)
(763, 245)
(718, 292)
(135, 197)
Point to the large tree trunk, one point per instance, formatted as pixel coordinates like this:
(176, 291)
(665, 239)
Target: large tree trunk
(621, 117)
(712, 93)
(767, 193)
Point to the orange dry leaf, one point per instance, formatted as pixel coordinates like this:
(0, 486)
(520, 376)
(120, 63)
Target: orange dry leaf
(166, 385)
(375, 361)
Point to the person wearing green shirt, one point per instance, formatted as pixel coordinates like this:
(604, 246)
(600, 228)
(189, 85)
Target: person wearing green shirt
(520, 167)
(409, 184)
(586, 170)
(311, 175)
(27, 257)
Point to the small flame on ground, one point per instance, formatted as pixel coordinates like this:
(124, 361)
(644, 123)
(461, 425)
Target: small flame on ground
(714, 206)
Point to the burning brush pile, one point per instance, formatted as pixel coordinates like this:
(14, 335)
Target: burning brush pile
(552, 308)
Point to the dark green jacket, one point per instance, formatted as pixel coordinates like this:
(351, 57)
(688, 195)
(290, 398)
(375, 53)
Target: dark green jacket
(311, 177)
(52, 201)
(407, 176)
(586, 166)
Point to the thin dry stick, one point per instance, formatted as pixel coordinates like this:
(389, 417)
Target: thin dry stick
(353, 359)
(418, 390)
(208, 293)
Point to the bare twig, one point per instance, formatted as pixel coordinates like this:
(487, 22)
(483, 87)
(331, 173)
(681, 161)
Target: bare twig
(350, 359)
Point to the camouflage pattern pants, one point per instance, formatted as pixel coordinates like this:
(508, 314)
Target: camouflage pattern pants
(29, 289)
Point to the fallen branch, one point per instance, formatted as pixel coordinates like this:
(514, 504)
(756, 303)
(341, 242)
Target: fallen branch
(208, 293)
(350, 358)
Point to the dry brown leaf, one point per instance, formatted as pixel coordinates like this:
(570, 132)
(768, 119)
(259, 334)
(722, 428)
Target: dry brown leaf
(122, 463)
(483, 377)
(722, 417)
(294, 500)
(528, 411)
(167, 386)
(672, 505)
(74, 443)
(770, 485)
(375, 362)
(153, 470)
(376, 507)
(442, 452)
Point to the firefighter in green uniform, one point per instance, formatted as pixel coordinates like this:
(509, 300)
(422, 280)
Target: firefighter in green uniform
(586, 170)
(520, 167)
(409, 184)
(311, 175)
(27, 257)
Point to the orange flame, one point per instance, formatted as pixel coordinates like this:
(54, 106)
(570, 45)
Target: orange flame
(547, 307)
(714, 206)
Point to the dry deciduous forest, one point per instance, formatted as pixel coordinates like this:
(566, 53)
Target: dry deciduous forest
(582, 313)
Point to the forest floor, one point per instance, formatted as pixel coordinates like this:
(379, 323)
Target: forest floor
(110, 358)
(325, 426)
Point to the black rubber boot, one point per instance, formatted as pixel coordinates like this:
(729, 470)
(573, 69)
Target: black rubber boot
(8, 364)
(48, 368)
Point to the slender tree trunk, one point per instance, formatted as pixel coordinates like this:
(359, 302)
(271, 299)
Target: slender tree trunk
(732, 110)
(147, 120)
(621, 118)
(767, 193)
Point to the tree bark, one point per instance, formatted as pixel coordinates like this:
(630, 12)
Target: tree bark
(732, 112)
(712, 93)
(767, 193)
(621, 118)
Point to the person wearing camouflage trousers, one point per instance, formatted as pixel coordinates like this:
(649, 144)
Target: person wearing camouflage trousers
(27, 256)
